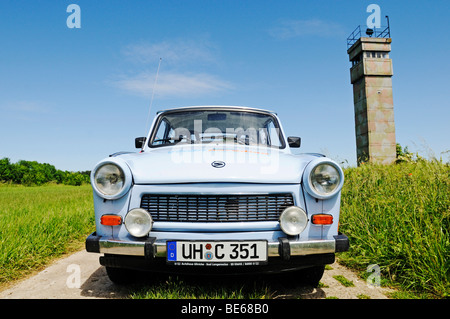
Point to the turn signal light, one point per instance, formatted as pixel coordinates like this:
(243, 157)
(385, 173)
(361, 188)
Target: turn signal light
(322, 219)
(111, 220)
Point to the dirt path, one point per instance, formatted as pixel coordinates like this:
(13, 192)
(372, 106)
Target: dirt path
(80, 276)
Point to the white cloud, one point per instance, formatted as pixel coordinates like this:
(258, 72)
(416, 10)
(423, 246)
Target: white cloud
(171, 84)
(174, 52)
(180, 73)
(313, 27)
(25, 107)
(24, 111)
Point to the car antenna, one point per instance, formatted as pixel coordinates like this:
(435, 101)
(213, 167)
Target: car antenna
(151, 101)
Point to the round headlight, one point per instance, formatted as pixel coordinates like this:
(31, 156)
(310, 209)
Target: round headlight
(138, 222)
(325, 178)
(293, 220)
(109, 179)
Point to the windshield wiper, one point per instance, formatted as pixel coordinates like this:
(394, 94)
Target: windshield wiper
(174, 139)
(224, 136)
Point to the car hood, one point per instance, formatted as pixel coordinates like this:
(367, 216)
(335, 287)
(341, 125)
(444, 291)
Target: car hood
(194, 164)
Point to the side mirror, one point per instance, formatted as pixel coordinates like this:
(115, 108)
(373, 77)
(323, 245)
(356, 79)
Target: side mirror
(294, 141)
(139, 142)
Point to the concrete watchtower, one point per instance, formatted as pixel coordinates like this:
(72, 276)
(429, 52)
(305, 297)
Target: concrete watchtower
(371, 76)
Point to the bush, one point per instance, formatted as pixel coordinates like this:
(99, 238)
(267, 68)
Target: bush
(32, 173)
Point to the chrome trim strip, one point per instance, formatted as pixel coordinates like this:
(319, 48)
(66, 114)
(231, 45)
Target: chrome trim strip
(311, 247)
(216, 226)
(121, 247)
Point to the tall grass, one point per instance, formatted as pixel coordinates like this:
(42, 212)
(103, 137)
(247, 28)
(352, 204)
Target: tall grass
(41, 223)
(398, 217)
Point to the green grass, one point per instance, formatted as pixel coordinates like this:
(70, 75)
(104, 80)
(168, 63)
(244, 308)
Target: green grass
(175, 287)
(344, 281)
(398, 217)
(38, 224)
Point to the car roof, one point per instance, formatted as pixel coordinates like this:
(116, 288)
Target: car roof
(216, 107)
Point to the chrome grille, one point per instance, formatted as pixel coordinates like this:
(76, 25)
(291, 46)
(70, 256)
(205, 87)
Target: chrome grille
(215, 208)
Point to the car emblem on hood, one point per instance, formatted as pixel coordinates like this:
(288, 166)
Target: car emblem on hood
(218, 164)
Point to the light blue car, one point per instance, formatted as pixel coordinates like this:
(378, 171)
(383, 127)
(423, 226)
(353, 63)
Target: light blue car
(216, 189)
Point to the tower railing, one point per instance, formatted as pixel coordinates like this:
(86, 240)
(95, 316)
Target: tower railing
(354, 36)
(382, 32)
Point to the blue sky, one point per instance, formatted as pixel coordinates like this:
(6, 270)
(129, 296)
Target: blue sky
(70, 97)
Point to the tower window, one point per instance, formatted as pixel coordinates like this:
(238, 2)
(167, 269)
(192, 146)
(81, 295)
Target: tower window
(356, 60)
(377, 54)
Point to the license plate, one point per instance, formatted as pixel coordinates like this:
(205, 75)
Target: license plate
(217, 253)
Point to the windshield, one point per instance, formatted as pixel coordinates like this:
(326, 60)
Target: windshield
(217, 126)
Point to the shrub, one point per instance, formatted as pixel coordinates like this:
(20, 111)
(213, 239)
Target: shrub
(32, 173)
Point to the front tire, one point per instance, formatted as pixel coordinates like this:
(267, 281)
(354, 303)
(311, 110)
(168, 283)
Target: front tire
(121, 276)
(312, 275)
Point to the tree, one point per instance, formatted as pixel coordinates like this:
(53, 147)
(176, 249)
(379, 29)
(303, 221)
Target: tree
(33, 173)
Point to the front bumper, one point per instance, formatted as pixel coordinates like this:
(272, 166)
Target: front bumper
(151, 248)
